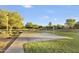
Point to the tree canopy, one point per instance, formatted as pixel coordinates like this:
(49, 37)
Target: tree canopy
(14, 19)
(70, 23)
(29, 25)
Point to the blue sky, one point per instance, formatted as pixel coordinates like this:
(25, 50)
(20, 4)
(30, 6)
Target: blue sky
(43, 14)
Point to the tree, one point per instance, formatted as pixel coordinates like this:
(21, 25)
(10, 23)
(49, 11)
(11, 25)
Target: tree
(77, 25)
(10, 20)
(70, 23)
(29, 25)
(35, 26)
(59, 26)
(14, 21)
(50, 24)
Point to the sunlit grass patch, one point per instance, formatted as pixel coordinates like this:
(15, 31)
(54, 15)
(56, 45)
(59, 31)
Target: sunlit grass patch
(2, 44)
(46, 46)
(56, 46)
(4, 35)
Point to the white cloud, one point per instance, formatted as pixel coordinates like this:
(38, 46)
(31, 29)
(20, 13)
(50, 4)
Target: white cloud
(45, 17)
(27, 6)
(71, 17)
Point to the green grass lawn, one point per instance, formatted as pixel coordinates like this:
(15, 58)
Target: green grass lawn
(55, 46)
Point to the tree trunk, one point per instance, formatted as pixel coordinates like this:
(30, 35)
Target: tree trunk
(10, 31)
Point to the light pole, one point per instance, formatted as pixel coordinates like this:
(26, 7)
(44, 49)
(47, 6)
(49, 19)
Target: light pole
(7, 24)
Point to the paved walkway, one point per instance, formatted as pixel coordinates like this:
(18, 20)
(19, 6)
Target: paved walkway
(17, 46)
